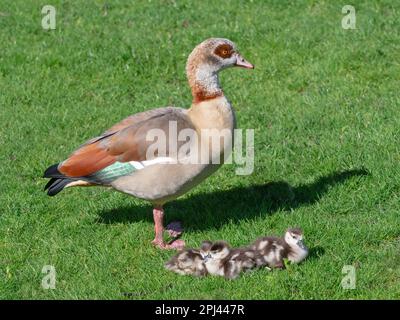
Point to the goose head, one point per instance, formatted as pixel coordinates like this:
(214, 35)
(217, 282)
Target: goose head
(205, 62)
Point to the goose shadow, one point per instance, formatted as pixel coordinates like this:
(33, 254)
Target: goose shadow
(213, 209)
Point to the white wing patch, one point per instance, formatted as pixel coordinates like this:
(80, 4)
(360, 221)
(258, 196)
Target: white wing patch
(142, 164)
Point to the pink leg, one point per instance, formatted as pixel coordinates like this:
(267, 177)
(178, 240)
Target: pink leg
(158, 215)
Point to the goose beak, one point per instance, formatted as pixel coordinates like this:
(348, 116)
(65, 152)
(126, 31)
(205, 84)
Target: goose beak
(242, 62)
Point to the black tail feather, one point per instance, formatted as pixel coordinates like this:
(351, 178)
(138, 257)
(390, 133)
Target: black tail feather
(49, 183)
(57, 185)
(57, 182)
(52, 172)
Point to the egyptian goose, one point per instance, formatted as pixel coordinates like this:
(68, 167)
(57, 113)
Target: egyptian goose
(271, 251)
(187, 262)
(222, 260)
(119, 158)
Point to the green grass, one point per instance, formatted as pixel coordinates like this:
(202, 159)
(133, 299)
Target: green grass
(324, 103)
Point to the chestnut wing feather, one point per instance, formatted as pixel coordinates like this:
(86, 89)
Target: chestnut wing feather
(125, 141)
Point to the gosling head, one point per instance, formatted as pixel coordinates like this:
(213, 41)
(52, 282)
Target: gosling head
(214, 251)
(294, 238)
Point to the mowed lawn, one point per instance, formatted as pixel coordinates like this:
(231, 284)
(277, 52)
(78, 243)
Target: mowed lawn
(325, 106)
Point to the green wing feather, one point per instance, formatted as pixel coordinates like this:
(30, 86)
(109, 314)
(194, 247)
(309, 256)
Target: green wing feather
(112, 172)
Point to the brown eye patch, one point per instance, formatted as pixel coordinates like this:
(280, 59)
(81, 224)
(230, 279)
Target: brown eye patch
(224, 51)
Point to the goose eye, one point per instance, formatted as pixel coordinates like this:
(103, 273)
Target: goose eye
(224, 51)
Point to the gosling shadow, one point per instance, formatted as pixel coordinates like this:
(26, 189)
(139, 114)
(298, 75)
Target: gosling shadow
(213, 209)
(315, 253)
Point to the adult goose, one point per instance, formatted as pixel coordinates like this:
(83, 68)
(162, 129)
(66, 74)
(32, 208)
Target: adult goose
(126, 158)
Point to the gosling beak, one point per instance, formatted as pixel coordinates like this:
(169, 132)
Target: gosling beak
(206, 257)
(242, 62)
(301, 244)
